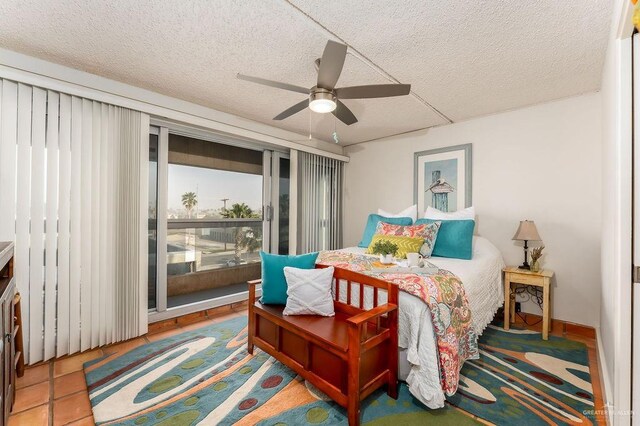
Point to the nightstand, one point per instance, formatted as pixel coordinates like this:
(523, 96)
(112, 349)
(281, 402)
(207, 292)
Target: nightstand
(542, 279)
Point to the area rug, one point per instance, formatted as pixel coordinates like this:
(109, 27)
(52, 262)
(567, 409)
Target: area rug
(520, 376)
(207, 377)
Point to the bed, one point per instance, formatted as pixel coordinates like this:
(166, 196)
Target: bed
(418, 353)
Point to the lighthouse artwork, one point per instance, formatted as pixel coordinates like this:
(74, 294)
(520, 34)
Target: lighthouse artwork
(443, 178)
(440, 184)
(440, 189)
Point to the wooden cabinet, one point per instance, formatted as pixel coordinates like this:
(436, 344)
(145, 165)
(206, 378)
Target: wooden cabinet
(9, 330)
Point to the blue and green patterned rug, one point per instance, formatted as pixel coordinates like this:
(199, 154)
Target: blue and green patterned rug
(520, 376)
(206, 377)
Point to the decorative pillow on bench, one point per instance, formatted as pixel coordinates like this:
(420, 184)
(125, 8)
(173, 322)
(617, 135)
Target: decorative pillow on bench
(309, 291)
(274, 284)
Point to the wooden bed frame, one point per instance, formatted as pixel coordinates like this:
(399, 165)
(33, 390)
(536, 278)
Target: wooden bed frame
(347, 356)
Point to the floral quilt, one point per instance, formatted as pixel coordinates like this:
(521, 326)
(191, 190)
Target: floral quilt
(443, 292)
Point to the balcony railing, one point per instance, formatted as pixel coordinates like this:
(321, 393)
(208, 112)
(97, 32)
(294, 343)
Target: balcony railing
(193, 248)
(213, 223)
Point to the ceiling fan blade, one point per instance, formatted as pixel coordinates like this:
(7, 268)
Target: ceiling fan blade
(292, 110)
(331, 64)
(271, 83)
(344, 114)
(373, 91)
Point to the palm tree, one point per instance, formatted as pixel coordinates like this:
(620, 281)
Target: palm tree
(238, 210)
(189, 201)
(245, 237)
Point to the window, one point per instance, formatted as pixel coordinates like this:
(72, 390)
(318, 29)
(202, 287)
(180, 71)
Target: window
(214, 219)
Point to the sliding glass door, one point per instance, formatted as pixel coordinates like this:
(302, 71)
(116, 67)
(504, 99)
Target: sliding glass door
(278, 196)
(214, 211)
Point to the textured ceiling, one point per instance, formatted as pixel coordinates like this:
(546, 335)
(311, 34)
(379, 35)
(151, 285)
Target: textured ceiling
(465, 58)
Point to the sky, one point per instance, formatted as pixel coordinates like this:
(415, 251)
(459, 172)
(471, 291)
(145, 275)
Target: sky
(212, 186)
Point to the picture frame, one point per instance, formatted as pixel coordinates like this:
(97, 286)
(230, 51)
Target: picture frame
(442, 178)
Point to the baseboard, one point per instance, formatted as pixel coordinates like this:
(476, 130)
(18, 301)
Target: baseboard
(604, 377)
(558, 326)
(197, 316)
(179, 311)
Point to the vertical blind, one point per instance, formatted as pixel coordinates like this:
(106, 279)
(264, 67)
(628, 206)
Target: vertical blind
(320, 194)
(73, 197)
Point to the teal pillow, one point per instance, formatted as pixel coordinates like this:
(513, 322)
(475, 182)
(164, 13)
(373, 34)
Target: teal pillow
(455, 238)
(372, 223)
(274, 284)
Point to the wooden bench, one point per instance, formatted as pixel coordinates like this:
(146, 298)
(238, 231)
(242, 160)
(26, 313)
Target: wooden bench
(347, 356)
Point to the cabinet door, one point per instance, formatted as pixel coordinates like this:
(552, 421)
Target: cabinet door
(10, 350)
(2, 381)
(4, 368)
(7, 320)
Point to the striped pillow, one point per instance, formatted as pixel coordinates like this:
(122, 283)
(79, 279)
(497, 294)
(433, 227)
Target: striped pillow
(427, 231)
(405, 244)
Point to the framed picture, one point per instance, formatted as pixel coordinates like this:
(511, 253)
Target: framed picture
(442, 178)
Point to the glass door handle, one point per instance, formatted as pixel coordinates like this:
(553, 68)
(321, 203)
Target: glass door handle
(268, 212)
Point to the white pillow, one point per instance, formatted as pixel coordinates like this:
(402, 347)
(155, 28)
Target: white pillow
(411, 212)
(466, 214)
(309, 291)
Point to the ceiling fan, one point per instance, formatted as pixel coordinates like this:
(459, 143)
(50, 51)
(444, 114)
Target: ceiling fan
(324, 97)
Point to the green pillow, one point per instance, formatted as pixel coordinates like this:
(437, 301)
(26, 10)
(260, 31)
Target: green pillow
(274, 284)
(372, 223)
(405, 244)
(455, 238)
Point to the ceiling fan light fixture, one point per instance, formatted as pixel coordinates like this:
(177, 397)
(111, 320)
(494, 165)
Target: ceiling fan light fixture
(322, 102)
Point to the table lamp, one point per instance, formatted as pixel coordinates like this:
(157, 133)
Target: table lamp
(526, 232)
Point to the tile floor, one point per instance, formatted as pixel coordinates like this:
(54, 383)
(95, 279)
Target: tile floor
(55, 393)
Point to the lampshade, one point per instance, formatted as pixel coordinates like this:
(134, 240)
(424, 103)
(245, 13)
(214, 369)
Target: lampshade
(527, 231)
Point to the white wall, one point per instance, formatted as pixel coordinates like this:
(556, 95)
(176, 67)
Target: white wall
(540, 163)
(614, 334)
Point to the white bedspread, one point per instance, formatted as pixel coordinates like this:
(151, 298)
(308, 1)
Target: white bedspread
(482, 280)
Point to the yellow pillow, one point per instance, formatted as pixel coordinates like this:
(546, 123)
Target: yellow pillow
(405, 244)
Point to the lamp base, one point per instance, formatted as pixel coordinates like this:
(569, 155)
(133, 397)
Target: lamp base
(525, 264)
